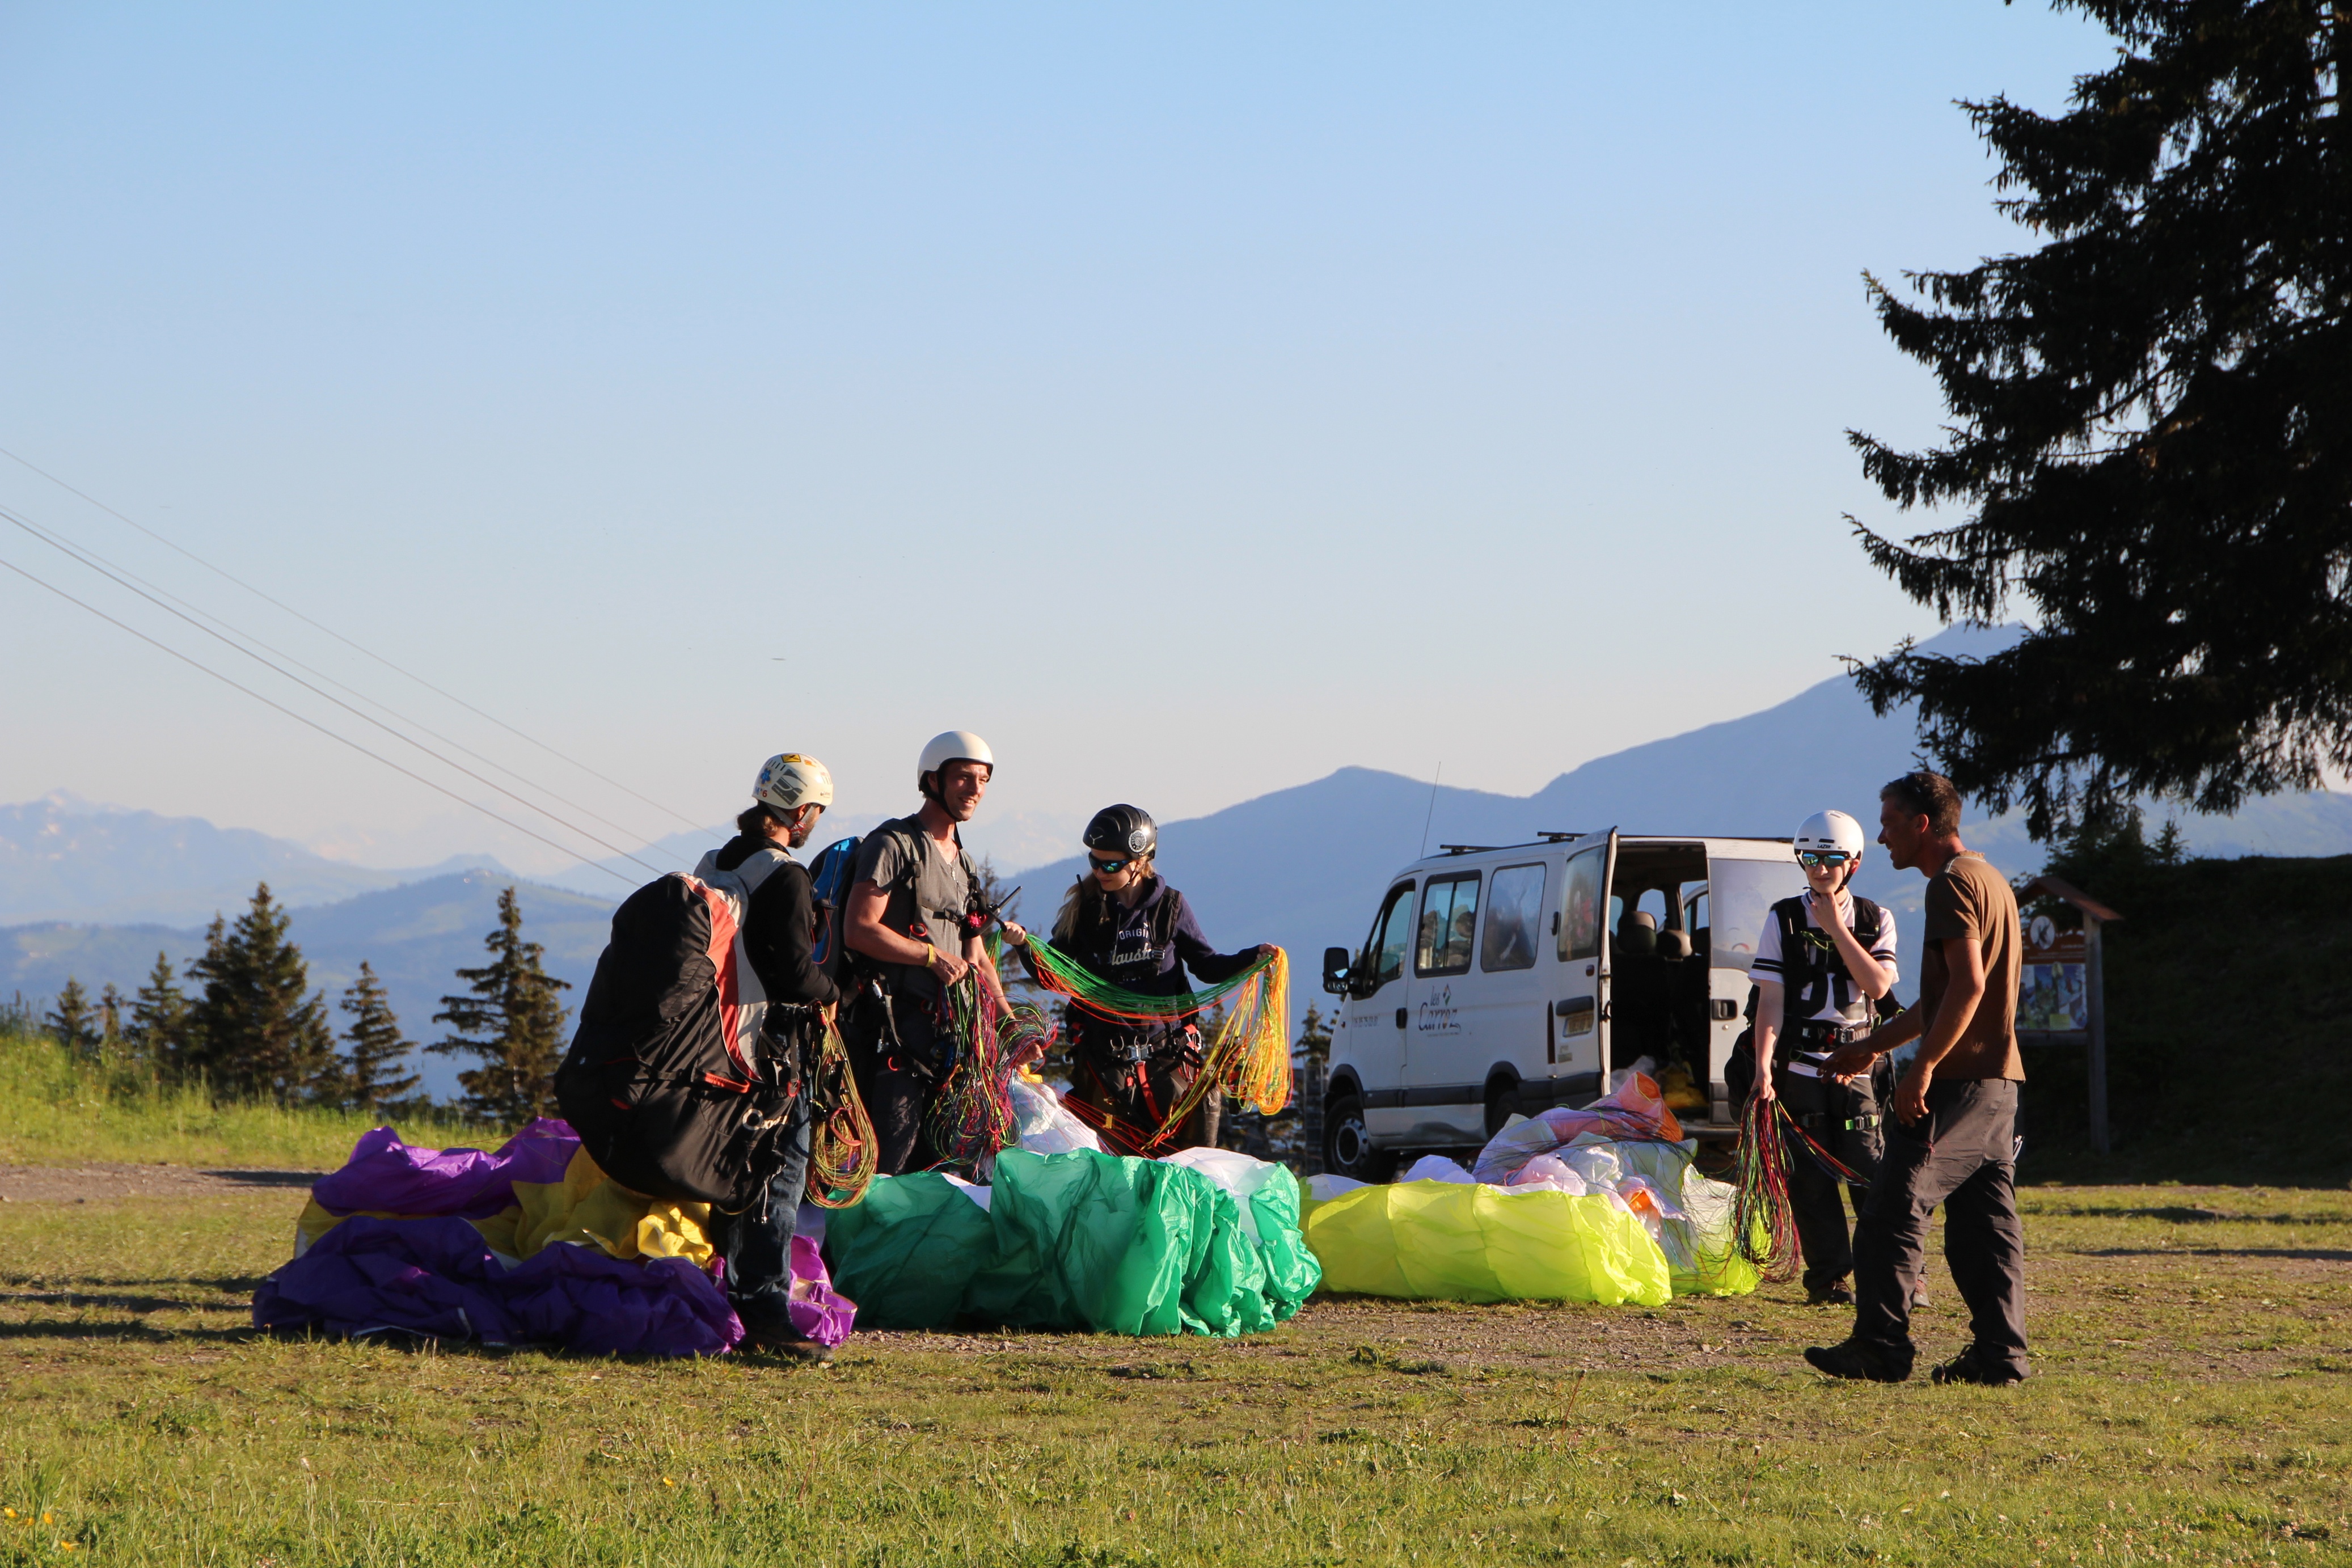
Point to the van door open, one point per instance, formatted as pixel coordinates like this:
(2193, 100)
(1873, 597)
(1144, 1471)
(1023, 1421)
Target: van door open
(1578, 1047)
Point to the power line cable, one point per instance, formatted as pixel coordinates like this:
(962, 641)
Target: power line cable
(338, 636)
(314, 724)
(329, 696)
(88, 556)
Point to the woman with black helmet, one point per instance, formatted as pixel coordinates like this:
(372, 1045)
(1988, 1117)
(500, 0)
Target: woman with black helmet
(1129, 927)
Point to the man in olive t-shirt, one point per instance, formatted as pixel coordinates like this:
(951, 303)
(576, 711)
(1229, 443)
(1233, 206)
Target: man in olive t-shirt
(1953, 1138)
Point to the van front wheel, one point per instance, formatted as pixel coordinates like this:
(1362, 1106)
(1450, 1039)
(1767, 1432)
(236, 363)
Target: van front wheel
(1348, 1144)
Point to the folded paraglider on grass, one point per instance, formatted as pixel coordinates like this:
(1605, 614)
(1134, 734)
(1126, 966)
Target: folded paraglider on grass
(1595, 1204)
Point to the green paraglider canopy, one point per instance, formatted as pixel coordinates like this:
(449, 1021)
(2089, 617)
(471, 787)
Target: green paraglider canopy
(1080, 1240)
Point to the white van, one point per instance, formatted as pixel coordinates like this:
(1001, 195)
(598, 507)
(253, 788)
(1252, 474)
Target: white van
(1510, 979)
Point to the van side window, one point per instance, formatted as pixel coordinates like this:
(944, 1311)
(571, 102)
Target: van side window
(1449, 917)
(1391, 933)
(1579, 926)
(1515, 912)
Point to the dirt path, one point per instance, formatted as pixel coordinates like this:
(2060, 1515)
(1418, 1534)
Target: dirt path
(82, 1183)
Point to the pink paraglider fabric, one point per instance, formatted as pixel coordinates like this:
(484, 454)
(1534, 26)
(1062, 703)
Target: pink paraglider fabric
(818, 1311)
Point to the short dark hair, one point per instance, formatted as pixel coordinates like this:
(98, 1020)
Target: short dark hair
(754, 820)
(1929, 794)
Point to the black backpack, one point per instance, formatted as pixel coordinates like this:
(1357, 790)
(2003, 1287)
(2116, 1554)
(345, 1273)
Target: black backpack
(656, 1082)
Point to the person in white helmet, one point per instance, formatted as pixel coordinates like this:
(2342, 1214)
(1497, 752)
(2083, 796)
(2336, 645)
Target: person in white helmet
(914, 914)
(1822, 959)
(790, 793)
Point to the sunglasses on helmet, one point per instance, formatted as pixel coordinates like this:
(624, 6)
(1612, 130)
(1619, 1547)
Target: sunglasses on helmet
(1831, 858)
(1109, 868)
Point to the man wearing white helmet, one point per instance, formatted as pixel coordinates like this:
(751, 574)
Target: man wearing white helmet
(914, 915)
(790, 793)
(1821, 959)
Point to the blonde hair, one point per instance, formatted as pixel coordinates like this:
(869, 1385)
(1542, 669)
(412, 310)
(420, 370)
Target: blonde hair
(1084, 901)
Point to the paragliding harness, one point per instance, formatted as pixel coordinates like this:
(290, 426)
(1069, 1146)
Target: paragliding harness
(681, 1078)
(1118, 1056)
(870, 1000)
(1840, 1127)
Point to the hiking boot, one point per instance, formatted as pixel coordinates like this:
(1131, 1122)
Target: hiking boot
(768, 1327)
(1919, 1295)
(1833, 1294)
(1854, 1360)
(1965, 1368)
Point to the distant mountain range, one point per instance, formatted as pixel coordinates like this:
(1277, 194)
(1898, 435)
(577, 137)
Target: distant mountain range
(63, 858)
(415, 935)
(97, 892)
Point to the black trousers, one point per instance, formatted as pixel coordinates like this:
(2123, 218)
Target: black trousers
(757, 1247)
(897, 1098)
(1963, 1156)
(1826, 1110)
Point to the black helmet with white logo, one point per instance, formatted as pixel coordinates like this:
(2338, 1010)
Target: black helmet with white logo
(1122, 830)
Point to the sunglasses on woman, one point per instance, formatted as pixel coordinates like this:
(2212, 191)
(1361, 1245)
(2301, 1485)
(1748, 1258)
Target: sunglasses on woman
(1109, 868)
(1831, 858)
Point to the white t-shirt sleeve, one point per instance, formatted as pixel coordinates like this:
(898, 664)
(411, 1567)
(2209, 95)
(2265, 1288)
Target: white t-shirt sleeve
(1766, 965)
(1884, 948)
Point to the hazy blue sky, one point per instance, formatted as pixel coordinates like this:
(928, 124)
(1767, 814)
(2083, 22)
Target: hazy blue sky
(1191, 399)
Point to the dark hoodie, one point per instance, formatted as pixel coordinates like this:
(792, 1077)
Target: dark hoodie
(1146, 948)
(779, 927)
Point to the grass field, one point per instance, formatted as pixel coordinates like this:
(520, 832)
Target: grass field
(2192, 1405)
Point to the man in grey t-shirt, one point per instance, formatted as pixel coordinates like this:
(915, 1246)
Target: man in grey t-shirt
(908, 905)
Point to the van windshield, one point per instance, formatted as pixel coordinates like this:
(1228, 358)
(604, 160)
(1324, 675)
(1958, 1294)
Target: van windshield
(1738, 893)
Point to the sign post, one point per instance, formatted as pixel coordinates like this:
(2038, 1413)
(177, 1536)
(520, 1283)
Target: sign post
(2062, 989)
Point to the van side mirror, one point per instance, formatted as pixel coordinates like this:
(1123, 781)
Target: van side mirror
(1336, 962)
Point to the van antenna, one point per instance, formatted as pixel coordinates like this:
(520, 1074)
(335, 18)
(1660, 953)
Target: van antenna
(1432, 813)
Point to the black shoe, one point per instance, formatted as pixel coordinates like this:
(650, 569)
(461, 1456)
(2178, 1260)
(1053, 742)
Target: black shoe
(768, 1326)
(1965, 1368)
(1855, 1361)
(1833, 1294)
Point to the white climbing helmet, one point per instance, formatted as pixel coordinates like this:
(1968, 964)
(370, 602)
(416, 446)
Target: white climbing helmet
(789, 781)
(1832, 830)
(955, 746)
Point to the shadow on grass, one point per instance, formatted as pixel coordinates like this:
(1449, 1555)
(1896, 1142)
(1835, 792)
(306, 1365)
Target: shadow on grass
(2177, 1213)
(2309, 1254)
(267, 1178)
(120, 1303)
(141, 1332)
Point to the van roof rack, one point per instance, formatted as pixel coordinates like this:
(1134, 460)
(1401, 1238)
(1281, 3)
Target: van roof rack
(1467, 849)
(1552, 838)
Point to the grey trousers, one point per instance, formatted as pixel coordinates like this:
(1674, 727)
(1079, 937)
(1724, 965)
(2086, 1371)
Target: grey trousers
(1963, 1156)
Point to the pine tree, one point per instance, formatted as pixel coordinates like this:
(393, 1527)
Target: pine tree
(2152, 417)
(1314, 1037)
(371, 1075)
(512, 1020)
(73, 1021)
(158, 1031)
(109, 1017)
(258, 1028)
